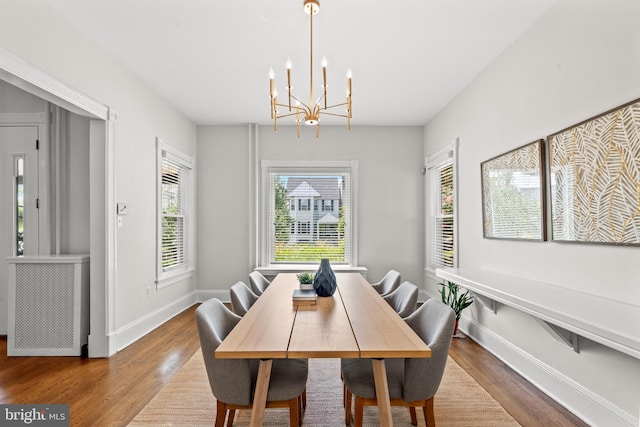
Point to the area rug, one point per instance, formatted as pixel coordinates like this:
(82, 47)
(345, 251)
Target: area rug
(187, 401)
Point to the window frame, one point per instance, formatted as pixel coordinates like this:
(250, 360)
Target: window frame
(301, 167)
(186, 269)
(304, 205)
(437, 161)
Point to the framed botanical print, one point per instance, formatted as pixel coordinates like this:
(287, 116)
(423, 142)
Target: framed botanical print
(594, 173)
(513, 194)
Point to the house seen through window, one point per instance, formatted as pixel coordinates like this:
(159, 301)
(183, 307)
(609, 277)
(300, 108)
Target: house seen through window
(310, 217)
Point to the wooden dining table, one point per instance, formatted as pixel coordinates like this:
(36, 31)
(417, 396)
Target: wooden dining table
(356, 322)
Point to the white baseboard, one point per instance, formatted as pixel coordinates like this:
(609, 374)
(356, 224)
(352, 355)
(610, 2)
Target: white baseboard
(132, 332)
(585, 404)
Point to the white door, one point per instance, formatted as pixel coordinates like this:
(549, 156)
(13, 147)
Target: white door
(18, 202)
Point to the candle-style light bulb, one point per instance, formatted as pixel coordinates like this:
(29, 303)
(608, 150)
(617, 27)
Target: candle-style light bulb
(349, 76)
(271, 76)
(324, 80)
(271, 89)
(289, 81)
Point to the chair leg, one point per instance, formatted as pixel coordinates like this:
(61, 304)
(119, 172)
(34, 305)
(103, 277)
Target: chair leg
(359, 412)
(294, 421)
(347, 406)
(304, 399)
(414, 417)
(230, 418)
(344, 395)
(429, 416)
(221, 413)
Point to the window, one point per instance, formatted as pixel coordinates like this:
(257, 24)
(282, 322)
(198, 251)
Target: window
(318, 232)
(175, 212)
(442, 210)
(303, 204)
(327, 205)
(19, 203)
(304, 227)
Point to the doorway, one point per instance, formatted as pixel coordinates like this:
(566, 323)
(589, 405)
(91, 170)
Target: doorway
(19, 183)
(23, 75)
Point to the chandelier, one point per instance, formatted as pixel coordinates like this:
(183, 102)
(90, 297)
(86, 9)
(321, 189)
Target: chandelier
(309, 114)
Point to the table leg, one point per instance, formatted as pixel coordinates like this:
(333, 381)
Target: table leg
(382, 392)
(260, 396)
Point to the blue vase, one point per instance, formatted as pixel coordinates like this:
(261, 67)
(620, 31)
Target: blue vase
(324, 281)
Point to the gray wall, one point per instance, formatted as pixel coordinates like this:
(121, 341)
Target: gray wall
(390, 195)
(580, 59)
(36, 33)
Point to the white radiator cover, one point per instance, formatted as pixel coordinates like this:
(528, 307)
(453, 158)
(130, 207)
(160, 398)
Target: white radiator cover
(48, 305)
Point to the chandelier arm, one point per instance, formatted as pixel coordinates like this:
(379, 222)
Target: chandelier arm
(302, 104)
(288, 115)
(319, 102)
(334, 105)
(334, 114)
(300, 111)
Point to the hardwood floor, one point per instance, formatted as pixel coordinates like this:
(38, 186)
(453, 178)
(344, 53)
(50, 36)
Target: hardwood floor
(527, 404)
(102, 392)
(110, 392)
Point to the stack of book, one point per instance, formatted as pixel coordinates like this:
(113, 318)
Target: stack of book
(304, 297)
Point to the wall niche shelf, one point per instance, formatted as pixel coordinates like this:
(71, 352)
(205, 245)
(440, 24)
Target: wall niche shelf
(564, 313)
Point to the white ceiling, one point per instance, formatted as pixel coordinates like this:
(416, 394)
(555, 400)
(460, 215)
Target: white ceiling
(211, 58)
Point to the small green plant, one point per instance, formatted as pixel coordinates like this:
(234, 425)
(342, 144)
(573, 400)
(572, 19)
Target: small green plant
(305, 278)
(458, 302)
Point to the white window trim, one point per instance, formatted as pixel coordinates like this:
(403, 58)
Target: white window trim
(167, 278)
(311, 166)
(445, 154)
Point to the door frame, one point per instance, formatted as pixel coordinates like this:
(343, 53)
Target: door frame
(102, 140)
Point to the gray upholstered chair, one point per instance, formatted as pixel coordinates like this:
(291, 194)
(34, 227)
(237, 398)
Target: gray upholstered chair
(258, 282)
(388, 283)
(412, 382)
(404, 299)
(233, 381)
(241, 298)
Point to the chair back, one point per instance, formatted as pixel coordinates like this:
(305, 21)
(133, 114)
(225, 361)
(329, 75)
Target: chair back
(230, 379)
(433, 322)
(404, 299)
(388, 283)
(258, 282)
(241, 298)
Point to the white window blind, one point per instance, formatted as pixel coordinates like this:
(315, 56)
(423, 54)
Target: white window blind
(442, 211)
(320, 227)
(175, 213)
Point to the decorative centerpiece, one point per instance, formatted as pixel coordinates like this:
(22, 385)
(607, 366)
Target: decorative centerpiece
(449, 294)
(306, 281)
(324, 281)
